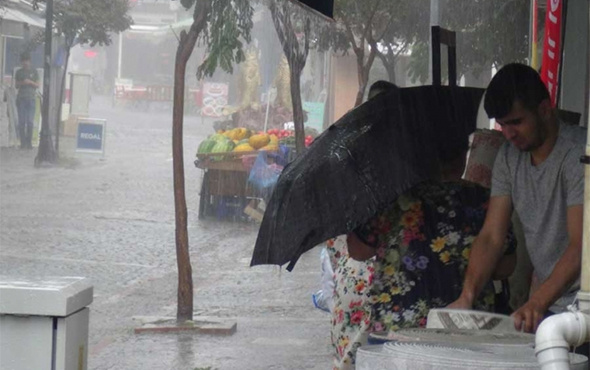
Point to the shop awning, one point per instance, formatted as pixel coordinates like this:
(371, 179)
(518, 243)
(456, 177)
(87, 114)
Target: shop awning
(15, 15)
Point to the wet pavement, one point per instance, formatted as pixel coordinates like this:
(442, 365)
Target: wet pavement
(111, 220)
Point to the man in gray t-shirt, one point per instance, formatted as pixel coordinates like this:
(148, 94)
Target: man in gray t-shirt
(538, 173)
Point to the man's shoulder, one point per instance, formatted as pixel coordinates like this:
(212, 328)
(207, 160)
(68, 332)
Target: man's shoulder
(573, 135)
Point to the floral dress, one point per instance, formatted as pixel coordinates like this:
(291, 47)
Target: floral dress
(423, 243)
(351, 315)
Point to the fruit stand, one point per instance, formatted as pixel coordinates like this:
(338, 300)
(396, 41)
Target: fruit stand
(225, 184)
(226, 159)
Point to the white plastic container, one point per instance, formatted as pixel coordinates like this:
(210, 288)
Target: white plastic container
(448, 356)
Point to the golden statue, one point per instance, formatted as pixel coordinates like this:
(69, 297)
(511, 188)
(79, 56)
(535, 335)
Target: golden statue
(250, 81)
(248, 84)
(283, 85)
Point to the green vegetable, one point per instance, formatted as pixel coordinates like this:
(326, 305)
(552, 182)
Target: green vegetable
(206, 146)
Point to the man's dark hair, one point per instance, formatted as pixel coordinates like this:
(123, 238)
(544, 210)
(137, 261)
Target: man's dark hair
(514, 82)
(25, 57)
(380, 87)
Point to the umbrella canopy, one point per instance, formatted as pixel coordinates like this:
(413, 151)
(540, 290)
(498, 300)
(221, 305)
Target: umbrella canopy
(360, 165)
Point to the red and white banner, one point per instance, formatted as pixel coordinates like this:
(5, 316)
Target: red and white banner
(552, 48)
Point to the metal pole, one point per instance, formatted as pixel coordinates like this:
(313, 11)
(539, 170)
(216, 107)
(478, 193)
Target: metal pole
(434, 21)
(267, 109)
(45, 144)
(533, 32)
(120, 56)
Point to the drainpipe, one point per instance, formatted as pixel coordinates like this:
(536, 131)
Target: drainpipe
(555, 336)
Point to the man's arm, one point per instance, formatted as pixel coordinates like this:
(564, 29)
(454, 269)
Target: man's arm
(565, 272)
(35, 81)
(32, 83)
(487, 250)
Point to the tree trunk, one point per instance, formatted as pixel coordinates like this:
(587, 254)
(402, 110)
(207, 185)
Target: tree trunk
(388, 62)
(185, 278)
(46, 152)
(363, 76)
(360, 67)
(61, 99)
(295, 76)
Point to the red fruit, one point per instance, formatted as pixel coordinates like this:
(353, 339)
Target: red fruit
(308, 137)
(283, 132)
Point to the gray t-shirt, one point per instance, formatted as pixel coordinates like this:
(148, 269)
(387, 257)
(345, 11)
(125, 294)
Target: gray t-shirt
(541, 196)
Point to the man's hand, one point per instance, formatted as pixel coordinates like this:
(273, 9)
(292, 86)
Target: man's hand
(528, 317)
(462, 303)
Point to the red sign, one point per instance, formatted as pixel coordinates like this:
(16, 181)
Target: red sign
(90, 54)
(552, 48)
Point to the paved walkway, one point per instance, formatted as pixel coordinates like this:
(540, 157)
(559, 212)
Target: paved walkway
(112, 221)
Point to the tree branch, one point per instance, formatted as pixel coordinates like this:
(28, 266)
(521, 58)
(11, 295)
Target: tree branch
(350, 34)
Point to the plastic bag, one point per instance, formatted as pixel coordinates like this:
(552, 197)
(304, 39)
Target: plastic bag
(263, 175)
(323, 298)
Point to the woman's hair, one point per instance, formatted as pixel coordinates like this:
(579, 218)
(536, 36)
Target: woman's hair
(379, 87)
(452, 147)
(514, 82)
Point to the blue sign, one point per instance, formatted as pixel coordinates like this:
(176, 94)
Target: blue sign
(90, 135)
(315, 115)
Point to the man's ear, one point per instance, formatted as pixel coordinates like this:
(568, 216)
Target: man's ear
(545, 109)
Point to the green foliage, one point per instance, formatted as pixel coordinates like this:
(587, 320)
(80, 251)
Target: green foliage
(229, 23)
(489, 33)
(419, 63)
(89, 21)
(376, 28)
(293, 29)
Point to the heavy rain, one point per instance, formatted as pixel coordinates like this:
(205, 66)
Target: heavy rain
(178, 178)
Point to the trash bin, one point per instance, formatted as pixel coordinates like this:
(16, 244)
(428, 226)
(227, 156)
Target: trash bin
(44, 323)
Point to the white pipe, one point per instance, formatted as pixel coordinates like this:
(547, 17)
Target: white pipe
(556, 335)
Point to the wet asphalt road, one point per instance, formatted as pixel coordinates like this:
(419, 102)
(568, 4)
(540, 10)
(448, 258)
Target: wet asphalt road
(112, 221)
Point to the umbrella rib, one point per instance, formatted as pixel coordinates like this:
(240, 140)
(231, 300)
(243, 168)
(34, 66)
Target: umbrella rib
(361, 177)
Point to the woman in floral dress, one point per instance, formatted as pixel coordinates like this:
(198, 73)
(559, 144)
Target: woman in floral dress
(351, 313)
(421, 246)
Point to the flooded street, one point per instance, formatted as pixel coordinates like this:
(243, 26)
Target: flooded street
(112, 220)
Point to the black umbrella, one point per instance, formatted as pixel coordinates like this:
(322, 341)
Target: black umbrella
(360, 165)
